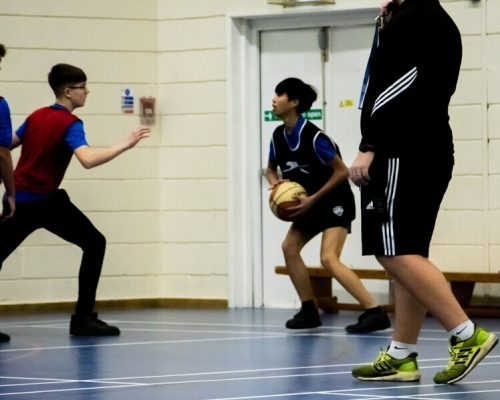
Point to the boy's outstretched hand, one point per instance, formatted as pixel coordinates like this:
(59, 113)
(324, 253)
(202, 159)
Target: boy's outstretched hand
(137, 135)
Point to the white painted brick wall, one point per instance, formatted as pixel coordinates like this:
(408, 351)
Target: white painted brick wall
(195, 259)
(115, 42)
(163, 205)
(198, 129)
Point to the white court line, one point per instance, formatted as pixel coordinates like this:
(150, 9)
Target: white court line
(409, 397)
(67, 390)
(67, 381)
(143, 343)
(244, 378)
(265, 370)
(120, 321)
(236, 379)
(323, 327)
(372, 388)
(24, 378)
(379, 335)
(231, 372)
(381, 397)
(172, 330)
(119, 380)
(322, 331)
(187, 382)
(204, 331)
(361, 396)
(417, 396)
(433, 396)
(188, 323)
(64, 326)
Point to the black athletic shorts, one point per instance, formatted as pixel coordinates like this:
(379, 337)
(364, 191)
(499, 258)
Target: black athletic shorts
(400, 206)
(327, 213)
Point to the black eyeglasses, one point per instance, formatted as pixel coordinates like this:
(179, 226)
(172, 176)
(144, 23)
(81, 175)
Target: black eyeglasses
(77, 87)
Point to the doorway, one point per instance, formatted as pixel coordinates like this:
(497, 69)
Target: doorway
(256, 51)
(333, 61)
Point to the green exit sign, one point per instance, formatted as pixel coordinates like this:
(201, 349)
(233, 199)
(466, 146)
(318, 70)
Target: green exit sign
(313, 114)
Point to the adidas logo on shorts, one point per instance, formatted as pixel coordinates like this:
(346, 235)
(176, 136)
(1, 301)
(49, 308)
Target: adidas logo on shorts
(338, 211)
(370, 206)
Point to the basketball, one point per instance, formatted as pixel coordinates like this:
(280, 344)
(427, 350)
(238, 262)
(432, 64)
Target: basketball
(285, 196)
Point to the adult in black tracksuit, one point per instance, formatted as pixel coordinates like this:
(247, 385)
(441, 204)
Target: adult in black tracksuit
(403, 168)
(304, 154)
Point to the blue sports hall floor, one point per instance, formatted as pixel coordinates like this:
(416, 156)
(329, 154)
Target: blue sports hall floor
(218, 354)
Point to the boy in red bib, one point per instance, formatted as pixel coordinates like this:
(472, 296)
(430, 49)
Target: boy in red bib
(49, 137)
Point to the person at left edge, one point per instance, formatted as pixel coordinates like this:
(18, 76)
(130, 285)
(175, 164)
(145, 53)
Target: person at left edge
(6, 175)
(48, 138)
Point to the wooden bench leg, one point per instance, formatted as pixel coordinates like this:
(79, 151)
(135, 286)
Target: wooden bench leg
(328, 304)
(463, 292)
(322, 289)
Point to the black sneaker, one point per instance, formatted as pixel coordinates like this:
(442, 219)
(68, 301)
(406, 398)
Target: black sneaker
(4, 337)
(304, 319)
(370, 321)
(91, 326)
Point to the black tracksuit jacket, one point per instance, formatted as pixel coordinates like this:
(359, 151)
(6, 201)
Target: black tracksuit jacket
(413, 74)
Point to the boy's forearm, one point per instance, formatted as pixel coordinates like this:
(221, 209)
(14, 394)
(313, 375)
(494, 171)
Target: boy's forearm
(91, 157)
(335, 180)
(272, 176)
(6, 169)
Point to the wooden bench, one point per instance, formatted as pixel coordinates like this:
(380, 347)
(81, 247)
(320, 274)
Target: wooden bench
(462, 284)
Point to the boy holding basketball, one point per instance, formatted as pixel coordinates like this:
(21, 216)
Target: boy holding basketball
(49, 137)
(305, 155)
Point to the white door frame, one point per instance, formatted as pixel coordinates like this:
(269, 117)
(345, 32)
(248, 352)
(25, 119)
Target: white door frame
(243, 138)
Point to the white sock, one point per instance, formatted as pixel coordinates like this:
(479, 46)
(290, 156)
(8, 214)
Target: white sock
(400, 350)
(463, 331)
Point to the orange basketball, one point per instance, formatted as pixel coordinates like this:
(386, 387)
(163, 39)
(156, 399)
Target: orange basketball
(285, 196)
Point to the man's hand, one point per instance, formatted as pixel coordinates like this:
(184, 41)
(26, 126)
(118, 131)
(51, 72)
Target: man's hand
(358, 173)
(10, 208)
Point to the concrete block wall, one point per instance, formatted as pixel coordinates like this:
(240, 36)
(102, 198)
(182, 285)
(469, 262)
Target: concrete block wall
(163, 205)
(115, 42)
(460, 241)
(464, 237)
(192, 93)
(492, 65)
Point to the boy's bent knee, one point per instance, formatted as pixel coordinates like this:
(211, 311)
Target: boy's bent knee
(289, 249)
(330, 261)
(100, 239)
(95, 241)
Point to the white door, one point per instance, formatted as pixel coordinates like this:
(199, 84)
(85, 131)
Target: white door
(296, 53)
(284, 54)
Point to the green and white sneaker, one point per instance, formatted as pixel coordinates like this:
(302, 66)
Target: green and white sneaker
(386, 368)
(465, 355)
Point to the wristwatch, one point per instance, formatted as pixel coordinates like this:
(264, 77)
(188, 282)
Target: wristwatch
(364, 147)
